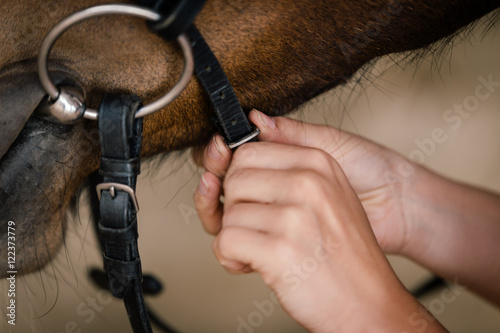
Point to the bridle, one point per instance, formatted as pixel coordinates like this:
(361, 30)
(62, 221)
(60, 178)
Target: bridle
(66, 104)
(120, 130)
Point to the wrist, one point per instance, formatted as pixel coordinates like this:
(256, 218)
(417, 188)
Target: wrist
(420, 196)
(402, 178)
(419, 191)
(452, 230)
(391, 308)
(404, 313)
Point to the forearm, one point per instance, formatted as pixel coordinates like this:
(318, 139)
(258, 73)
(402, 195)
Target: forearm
(455, 231)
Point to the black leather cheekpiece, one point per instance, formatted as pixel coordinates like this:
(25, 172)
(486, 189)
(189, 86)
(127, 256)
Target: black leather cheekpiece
(120, 136)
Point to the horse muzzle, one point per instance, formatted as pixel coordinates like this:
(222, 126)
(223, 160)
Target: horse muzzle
(37, 160)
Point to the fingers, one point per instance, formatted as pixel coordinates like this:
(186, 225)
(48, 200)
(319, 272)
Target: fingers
(265, 186)
(217, 156)
(257, 186)
(242, 250)
(346, 148)
(293, 132)
(291, 215)
(267, 219)
(277, 156)
(207, 202)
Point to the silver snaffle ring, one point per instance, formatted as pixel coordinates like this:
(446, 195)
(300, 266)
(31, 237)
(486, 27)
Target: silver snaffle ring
(66, 105)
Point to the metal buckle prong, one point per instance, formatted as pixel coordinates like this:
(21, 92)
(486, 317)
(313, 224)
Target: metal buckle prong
(247, 138)
(113, 187)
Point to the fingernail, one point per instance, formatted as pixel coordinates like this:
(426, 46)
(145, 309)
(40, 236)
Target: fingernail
(214, 150)
(265, 120)
(203, 186)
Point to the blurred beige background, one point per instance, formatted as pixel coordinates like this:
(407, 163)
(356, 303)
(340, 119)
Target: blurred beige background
(399, 104)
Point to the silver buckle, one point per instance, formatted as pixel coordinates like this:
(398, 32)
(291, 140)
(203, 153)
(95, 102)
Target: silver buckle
(247, 138)
(112, 187)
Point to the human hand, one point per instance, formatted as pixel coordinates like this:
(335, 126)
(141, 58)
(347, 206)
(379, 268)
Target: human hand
(290, 214)
(379, 176)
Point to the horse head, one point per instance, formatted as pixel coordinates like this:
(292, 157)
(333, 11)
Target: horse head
(277, 55)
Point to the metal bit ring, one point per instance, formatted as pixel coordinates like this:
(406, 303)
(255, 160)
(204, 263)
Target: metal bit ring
(148, 14)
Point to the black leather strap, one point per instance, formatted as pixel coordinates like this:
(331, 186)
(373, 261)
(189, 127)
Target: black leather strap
(231, 120)
(121, 139)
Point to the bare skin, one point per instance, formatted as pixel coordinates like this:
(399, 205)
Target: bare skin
(262, 45)
(313, 209)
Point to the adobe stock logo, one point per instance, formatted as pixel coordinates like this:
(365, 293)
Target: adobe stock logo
(420, 319)
(294, 276)
(454, 117)
(263, 309)
(88, 310)
(299, 273)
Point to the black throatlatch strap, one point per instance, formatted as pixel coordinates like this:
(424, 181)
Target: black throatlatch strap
(230, 120)
(121, 139)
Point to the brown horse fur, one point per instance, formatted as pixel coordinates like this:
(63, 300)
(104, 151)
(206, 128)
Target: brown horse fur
(277, 54)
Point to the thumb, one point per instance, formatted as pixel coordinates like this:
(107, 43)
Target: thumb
(294, 132)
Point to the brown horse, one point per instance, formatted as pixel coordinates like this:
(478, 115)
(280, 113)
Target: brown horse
(277, 54)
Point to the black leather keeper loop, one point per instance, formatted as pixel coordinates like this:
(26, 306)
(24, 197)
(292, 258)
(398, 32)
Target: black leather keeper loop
(119, 237)
(121, 275)
(120, 168)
